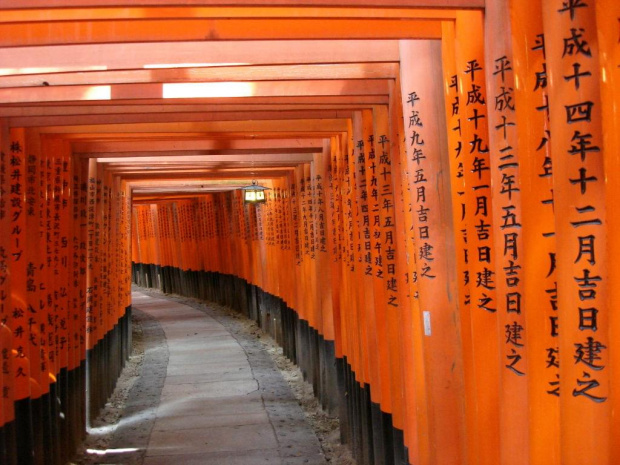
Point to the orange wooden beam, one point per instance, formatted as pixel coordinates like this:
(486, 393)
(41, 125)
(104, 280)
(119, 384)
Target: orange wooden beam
(206, 74)
(192, 90)
(150, 30)
(89, 57)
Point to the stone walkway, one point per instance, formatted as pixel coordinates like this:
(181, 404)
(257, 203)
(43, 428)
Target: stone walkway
(207, 396)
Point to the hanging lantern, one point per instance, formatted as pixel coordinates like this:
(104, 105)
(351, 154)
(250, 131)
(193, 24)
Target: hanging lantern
(254, 193)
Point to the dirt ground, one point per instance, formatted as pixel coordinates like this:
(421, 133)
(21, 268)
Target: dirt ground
(327, 429)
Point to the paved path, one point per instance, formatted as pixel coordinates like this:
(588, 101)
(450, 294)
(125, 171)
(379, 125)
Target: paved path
(207, 396)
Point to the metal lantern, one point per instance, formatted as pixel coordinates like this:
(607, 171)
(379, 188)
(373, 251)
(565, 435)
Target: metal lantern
(254, 193)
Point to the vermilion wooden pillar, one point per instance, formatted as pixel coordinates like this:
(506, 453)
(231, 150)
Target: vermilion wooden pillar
(538, 266)
(395, 266)
(607, 14)
(457, 147)
(483, 440)
(575, 111)
(18, 265)
(433, 235)
(508, 240)
(7, 415)
(416, 412)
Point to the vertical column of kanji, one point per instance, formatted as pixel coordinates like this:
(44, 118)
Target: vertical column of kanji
(416, 412)
(156, 262)
(284, 279)
(113, 247)
(428, 160)
(335, 226)
(454, 108)
(355, 295)
(281, 235)
(248, 258)
(290, 206)
(608, 18)
(362, 150)
(59, 250)
(45, 299)
(76, 288)
(71, 194)
(506, 206)
(352, 299)
(7, 393)
(346, 299)
(35, 277)
(83, 165)
(214, 257)
(484, 442)
(395, 267)
(18, 320)
(104, 263)
(302, 231)
(253, 243)
(325, 258)
(100, 259)
(171, 241)
(74, 262)
(326, 241)
(217, 229)
(195, 223)
(128, 234)
(135, 243)
(364, 282)
(92, 322)
(241, 262)
(174, 242)
(182, 223)
(537, 271)
(370, 259)
(579, 192)
(50, 304)
(373, 259)
(314, 308)
(295, 245)
(116, 283)
(169, 226)
(260, 247)
(229, 233)
(163, 212)
(46, 206)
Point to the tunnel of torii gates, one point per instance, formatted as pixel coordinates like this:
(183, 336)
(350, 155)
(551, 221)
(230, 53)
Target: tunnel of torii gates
(438, 250)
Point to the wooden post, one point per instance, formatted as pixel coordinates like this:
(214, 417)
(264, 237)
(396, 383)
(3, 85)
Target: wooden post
(575, 110)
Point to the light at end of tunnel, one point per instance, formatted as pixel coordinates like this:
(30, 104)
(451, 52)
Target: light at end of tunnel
(208, 89)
